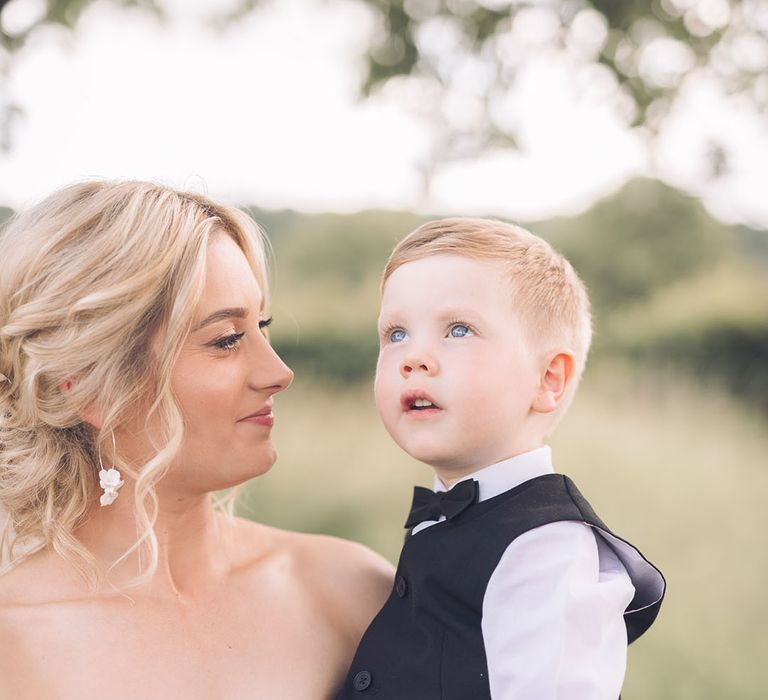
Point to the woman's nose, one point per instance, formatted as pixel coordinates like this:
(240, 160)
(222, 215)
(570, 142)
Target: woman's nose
(271, 373)
(283, 377)
(418, 362)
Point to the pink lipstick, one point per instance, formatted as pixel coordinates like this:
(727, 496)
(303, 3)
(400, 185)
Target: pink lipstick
(262, 417)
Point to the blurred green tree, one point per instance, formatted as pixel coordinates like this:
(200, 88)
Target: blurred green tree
(339, 247)
(464, 56)
(643, 238)
(470, 53)
(65, 13)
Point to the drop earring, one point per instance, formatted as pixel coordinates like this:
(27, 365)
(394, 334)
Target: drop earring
(109, 480)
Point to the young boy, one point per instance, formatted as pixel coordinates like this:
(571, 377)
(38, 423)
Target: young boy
(508, 585)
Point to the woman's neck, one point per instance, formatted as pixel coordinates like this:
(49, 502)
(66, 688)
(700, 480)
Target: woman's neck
(194, 545)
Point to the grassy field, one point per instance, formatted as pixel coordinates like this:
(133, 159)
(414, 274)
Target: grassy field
(678, 469)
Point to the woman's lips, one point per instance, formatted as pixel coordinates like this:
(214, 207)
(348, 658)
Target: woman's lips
(262, 417)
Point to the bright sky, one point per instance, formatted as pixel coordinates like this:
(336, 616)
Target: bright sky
(267, 113)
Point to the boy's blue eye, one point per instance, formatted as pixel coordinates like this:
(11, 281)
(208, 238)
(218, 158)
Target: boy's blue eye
(397, 335)
(459, 330)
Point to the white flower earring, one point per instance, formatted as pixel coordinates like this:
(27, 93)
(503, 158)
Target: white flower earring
(109, 480)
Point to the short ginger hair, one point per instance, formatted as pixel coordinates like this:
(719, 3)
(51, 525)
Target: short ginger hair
(546, 292)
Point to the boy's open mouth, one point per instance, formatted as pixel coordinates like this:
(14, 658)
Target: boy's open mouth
(417, 401)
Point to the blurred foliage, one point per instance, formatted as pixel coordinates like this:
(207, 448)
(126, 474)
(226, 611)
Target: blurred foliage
(727, 352)
(463, 53)
(332, 357)
(333, 246)
(465, 56)
(645, 237)
(713, 326)
(64, 13)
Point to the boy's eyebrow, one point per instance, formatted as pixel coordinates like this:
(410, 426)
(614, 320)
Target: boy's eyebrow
(390, 319)
(459, 312)
(444, 313)
(221, 314)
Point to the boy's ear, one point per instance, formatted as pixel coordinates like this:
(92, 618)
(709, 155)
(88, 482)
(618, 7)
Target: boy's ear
(555, 379)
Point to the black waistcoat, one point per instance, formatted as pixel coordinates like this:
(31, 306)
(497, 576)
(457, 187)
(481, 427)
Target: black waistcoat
(426, 643)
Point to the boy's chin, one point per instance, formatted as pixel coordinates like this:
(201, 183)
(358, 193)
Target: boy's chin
(437, 457)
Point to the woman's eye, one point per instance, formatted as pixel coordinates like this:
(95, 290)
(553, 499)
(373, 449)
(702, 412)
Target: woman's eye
(229, 342)
(397, 335)
(459, 330)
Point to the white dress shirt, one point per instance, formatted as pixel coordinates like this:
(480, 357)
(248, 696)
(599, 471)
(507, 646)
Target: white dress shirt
(552, 623)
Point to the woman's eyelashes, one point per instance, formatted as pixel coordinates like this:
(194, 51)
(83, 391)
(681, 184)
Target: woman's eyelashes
(231, 341)
(228, 342)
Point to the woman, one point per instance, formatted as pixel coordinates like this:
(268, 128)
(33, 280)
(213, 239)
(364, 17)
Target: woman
(136, 379)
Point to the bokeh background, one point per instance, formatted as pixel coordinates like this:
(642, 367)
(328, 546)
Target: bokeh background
(632, 135)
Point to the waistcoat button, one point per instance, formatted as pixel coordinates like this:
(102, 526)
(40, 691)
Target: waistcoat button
(401, 587)
(362, 680)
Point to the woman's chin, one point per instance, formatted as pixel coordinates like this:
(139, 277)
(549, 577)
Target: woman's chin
(226, 476)
(252, 468)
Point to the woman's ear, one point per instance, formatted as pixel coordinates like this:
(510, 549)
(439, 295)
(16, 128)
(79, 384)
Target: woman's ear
(91, 414)
(555, 379)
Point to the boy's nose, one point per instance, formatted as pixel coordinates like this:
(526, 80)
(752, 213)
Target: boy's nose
(422, 362)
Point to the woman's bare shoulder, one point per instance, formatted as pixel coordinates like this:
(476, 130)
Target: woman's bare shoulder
(25, 614)
(35, 580)
(344, 559)
(322, 552)
(345, 574)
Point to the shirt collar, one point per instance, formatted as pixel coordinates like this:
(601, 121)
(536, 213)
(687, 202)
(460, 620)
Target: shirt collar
(505, 475)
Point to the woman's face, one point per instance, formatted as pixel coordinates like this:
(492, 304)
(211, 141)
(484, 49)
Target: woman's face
(225, 379)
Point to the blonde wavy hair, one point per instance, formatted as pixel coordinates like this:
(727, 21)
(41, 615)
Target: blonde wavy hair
(89, 278)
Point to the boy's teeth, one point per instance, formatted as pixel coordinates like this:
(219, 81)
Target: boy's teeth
(421, 403)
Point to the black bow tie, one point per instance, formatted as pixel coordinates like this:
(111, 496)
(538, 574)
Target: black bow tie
(428, 505)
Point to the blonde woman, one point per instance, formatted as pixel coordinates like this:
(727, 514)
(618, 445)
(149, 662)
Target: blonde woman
(136, 379)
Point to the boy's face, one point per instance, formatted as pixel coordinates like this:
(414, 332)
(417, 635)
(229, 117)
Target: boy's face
(455, 378)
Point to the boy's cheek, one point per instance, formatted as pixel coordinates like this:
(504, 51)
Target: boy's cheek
(384, 402)
(386, 379)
